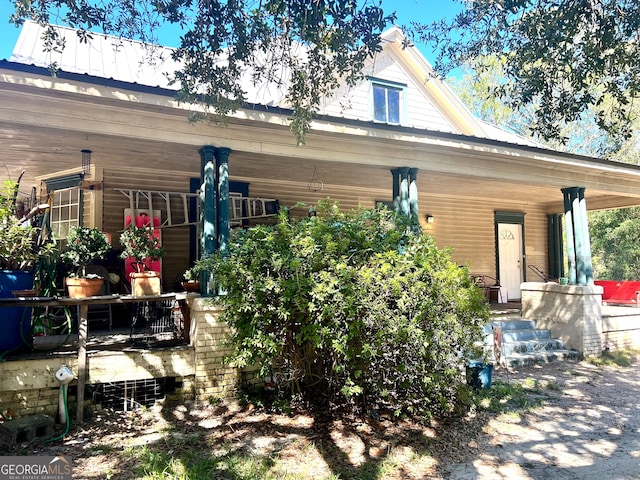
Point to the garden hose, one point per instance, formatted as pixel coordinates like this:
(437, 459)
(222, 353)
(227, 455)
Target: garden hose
(66, 414)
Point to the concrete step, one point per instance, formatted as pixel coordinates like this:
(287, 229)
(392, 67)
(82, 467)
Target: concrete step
(525, 334)
(536, 345)
(523, 344)
(537, 357)
(515, 324)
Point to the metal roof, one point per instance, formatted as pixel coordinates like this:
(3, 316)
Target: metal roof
(120, 59)
(130, 61)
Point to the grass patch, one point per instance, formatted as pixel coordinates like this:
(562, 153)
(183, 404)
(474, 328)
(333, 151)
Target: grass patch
(505, 397)
(153, 464)
(617, 358)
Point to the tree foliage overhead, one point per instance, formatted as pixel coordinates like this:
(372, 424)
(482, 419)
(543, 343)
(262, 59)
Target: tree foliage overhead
(351, 306)
(563, 56)
(475, 87)
(304, 47)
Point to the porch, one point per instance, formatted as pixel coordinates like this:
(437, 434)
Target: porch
(123, 372)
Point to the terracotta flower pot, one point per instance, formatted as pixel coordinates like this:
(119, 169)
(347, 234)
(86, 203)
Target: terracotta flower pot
(145, 283)
(84, 287)
(191, 286)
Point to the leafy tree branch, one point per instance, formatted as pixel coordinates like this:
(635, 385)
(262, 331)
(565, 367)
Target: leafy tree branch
(306, 48)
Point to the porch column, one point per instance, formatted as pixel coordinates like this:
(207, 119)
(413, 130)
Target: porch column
(405, 193)
(208, 201)
(577, 232)
(222, 158)
(585, 264)
(395, 174)
(413, 194)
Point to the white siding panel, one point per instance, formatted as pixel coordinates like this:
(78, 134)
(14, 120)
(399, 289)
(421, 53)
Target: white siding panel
(355, 102)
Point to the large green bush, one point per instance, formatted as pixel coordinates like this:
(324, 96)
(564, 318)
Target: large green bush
(351, 306)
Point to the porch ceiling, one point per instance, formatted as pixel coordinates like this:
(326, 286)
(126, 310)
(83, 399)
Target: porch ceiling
(42, 150)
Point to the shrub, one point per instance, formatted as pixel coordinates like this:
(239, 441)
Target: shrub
(84, 245)
(351, 306)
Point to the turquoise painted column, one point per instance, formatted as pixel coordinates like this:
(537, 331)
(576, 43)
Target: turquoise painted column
(584, 261)
(568, 226)
(222, 158)
(404, 191)
(578, 242)
(208, 204)
(413, 195)
(208, 201)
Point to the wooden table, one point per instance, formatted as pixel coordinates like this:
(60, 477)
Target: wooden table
(83, 324)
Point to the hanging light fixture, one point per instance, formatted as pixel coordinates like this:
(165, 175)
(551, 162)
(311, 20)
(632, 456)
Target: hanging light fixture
(315, 184)
(86, 163)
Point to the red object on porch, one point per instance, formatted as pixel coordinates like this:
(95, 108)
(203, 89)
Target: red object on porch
(622, 292)
(143, 220)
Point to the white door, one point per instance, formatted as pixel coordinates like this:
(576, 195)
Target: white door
(510, 258)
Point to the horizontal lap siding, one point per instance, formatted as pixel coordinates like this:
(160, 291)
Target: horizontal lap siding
(465, 224)
(468, 227)
(537, 243)
(290, 193)
(175, 240)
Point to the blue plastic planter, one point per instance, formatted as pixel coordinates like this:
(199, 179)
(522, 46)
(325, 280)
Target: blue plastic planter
(15, 322)
(479, 374)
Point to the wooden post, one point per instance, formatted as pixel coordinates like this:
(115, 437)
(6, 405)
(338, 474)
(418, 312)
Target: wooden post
(83, 331)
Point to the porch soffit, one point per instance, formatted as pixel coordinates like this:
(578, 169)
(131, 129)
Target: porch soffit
(43, 135)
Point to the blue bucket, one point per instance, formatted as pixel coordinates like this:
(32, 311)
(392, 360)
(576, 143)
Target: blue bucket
(479, 374)
(15, 321)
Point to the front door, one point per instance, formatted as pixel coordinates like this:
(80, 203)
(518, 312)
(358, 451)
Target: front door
(510, 258)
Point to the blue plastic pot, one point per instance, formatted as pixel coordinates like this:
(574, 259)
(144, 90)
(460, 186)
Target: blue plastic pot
(479, 374)
(15, 322)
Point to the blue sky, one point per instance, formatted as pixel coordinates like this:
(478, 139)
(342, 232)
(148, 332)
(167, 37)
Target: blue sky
(407, 10)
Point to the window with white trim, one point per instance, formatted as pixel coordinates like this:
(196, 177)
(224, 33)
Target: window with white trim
(65, 211)
(388, 102)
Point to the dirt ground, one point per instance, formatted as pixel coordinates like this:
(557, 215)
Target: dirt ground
(587, 428)
(583, 422)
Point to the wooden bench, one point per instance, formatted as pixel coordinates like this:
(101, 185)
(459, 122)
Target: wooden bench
(623, 292)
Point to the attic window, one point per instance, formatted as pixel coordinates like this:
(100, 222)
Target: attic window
(388, 100)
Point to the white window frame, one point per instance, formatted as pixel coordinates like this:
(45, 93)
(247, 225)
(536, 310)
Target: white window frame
(402, 100)
(63, 205)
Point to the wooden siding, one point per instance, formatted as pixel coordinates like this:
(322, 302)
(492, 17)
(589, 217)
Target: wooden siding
(467, 226)
(174, 239)
(355, 102)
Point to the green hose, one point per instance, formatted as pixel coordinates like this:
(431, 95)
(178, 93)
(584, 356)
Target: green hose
(66, 414)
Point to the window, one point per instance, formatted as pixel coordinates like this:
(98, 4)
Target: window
(65, 211)
(387, 102)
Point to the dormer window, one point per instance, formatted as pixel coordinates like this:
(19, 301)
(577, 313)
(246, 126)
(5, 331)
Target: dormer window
(388, 101)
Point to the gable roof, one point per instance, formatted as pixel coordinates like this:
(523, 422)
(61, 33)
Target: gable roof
(123, 60)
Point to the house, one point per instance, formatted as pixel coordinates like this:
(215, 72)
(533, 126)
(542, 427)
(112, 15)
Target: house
(495, 198)
(489, 194)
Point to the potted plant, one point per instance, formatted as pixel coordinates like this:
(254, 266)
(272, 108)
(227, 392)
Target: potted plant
(140, 246)
(84, 246)
(191, 280)
(19, 251)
